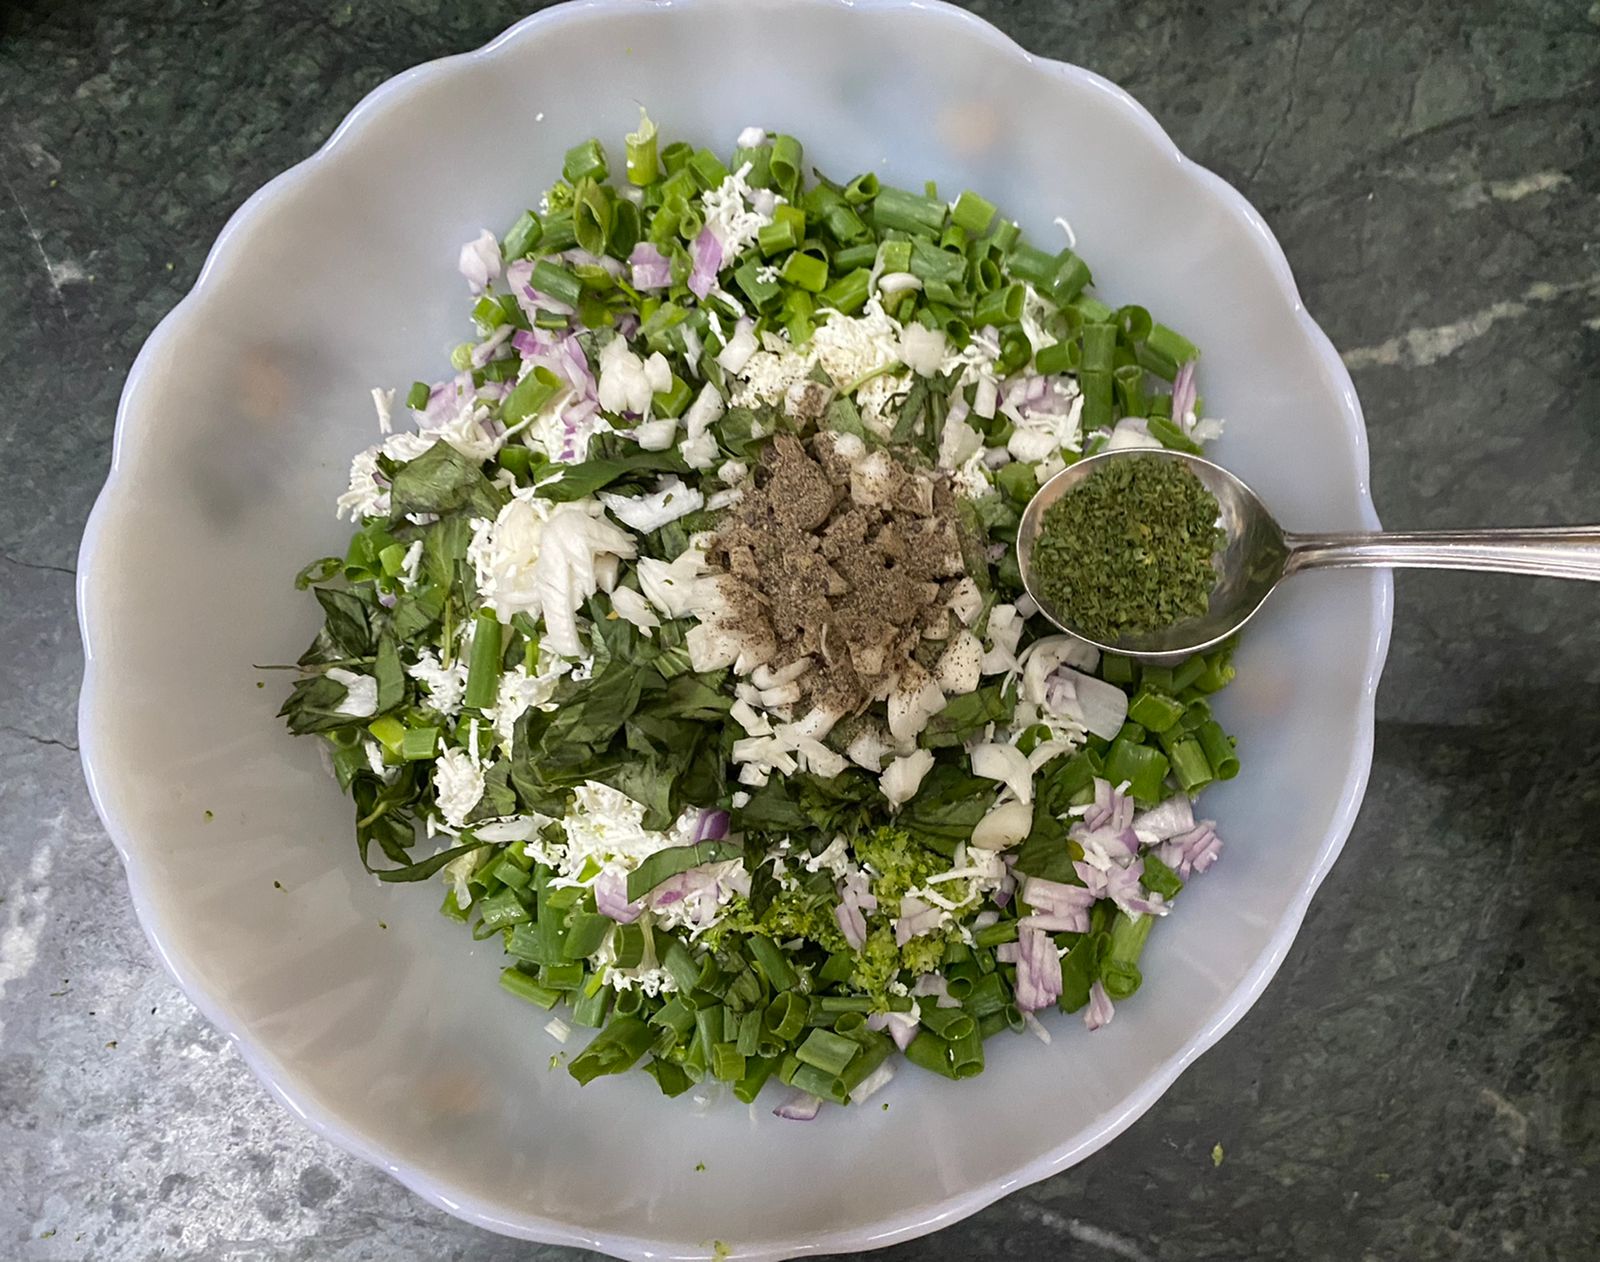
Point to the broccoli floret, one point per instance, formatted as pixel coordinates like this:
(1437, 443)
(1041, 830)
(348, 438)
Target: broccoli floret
(796, 914)
(897, 863)
(924, 954)
(793, 913)
(879, 962)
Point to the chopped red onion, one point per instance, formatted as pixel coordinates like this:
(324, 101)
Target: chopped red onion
(1038, 970)
(1099, 1012)
(852, 923)
(935, 984)
(1057, 908)
(855, 891)
(1123, 887)
(484, 351)
(711, 826)
(706, 255)
(446, 400)
(480, 261)
(611, 897)
(1193, 851)
(873, 1082)
(669, 891)
(577, 366)
(1006, 952)
(580, 257)
(1055, 895)
(651, 268)
(915, 918)
(527, 343)
(1117, 845)
(545, 302)
(801, 1106)
(1183, 395)
(1165, 820)
(902, 1026)
(1057, 922)
(1111, 811)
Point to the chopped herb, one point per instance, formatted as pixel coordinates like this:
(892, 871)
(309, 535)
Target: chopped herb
(1129, 549)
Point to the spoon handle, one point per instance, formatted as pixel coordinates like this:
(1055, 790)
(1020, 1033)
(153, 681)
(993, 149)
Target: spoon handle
(1550, 551)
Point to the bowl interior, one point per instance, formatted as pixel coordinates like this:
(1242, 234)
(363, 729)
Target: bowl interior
(375, 1017)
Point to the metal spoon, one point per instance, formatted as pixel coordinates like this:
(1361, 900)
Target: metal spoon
(1259, 554)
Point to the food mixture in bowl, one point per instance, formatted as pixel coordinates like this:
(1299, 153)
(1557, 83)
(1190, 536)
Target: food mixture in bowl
(682, 632)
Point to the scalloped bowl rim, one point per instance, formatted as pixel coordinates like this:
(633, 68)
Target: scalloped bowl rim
(897, 1228)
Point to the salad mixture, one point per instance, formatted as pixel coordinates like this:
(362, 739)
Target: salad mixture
(682, 634)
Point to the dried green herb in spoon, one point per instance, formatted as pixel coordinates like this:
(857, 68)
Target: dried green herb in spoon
(1129, 549)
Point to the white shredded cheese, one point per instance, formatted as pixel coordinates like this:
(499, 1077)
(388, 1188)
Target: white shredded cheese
(457, 785)
(446, 685)
(383, 400)
(734, 223)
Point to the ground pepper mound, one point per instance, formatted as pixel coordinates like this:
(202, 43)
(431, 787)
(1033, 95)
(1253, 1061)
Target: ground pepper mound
(848, 562)
(1129, 549)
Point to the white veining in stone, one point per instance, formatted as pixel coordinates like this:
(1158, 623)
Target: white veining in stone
(1421, 346)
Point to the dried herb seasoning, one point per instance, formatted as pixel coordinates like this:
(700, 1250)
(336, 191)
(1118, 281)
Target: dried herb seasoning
(1128, 550)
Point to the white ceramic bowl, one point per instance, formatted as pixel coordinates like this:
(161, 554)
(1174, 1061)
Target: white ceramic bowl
(234, 436)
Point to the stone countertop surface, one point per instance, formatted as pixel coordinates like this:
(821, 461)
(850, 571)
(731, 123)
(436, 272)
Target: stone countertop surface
(1422, 1080)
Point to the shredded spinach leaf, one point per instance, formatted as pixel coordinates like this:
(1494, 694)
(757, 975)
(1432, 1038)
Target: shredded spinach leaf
(442, 480)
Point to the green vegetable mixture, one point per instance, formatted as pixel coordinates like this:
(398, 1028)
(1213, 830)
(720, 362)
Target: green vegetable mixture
(743, 844)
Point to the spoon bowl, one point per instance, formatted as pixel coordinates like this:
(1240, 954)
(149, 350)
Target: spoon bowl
(1257, 554)
(1249, 564)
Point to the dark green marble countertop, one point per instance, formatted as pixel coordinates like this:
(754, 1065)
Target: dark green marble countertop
(1422, 1080)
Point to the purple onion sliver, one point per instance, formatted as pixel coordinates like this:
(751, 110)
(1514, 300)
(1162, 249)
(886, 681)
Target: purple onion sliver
(711, 826)
(852, 924)
(611, 898)
(801, 1106)
(1100, 1011)
(706, 255)
(902, 1029)
(1183, 392)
